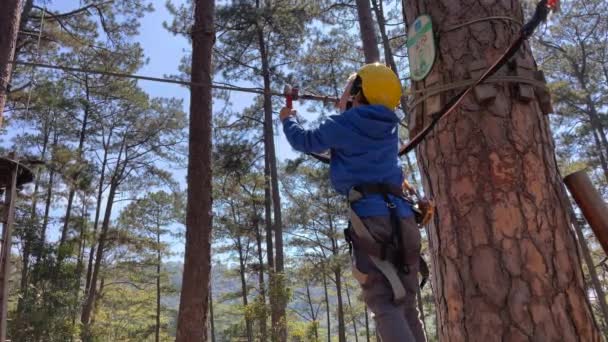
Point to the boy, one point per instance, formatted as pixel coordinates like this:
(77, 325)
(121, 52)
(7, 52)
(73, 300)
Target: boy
(364, 166)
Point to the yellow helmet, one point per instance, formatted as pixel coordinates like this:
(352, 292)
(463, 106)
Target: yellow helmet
(380, 85)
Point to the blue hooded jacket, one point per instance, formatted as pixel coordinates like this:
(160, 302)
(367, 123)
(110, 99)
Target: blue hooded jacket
(364, 145)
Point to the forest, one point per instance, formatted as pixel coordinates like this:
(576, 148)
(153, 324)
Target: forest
(164, 211)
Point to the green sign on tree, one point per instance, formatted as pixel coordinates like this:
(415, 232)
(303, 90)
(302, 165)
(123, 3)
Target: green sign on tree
(421, 47)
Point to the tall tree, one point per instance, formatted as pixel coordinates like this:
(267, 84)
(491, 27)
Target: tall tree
(368, 31)
(10, 15)
(149, 219)
(505, 260)
(571, 54)
(194, 300)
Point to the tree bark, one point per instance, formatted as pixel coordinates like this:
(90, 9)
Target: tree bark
(92, 292)
(352, 313)
(278, 300)
(598, 145)
(74, 178)
(504, 258)
(368, 32)
(341, 325)
(313, 315)
(327, 305)
(97, 214)
(367, 335)
(261, 285)
(158, 293)
(30, 236)
(194, 300)
(211, 317)
(10, 15)
(80, 260)
(47, 205)
(244, 292)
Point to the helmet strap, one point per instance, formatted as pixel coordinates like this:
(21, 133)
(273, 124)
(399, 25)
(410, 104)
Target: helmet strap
(357, 86)
(357, 90)
(349, 104)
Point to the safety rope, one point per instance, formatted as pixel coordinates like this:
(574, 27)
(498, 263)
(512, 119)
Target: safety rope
(434, 91)
(479, 20)
(260, 91)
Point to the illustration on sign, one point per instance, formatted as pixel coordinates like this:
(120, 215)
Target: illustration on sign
(421, 47)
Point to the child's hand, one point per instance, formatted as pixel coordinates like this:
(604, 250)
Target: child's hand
(286, 112)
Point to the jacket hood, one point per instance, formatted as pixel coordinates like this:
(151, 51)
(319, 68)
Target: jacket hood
(374, 121)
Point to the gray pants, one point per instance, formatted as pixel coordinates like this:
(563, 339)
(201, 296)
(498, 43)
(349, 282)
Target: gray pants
(395, 322)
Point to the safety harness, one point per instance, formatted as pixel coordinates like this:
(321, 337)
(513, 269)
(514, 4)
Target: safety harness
(387, 256)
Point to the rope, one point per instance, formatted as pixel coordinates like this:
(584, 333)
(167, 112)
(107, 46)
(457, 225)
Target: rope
(168, 80)
(475, 21)
(430, 92)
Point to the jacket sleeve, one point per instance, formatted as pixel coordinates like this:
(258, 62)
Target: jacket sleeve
(332, 133)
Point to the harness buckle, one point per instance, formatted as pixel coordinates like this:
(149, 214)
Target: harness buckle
(391, 205)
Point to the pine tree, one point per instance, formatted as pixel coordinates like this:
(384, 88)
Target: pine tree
(194, 300)
(504, 257)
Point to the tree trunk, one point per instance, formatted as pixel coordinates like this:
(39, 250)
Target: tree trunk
(368, 32)
(30, 235)
(367, 335)
(278, 300)
(158, 288)
(337, 273)
(600, 152)
(313, 315)
(25, 18)
(47, 205)
(244, 291)
(592, 110)
(341, 325)
(92, 293)
(91, 297)
(261, 285)
(74, 178)
(97, 215)
(504, 259)
(194, 299)
(327, 305)
(10, 14)
(352, 312)
(211, 316)
(80, 261)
